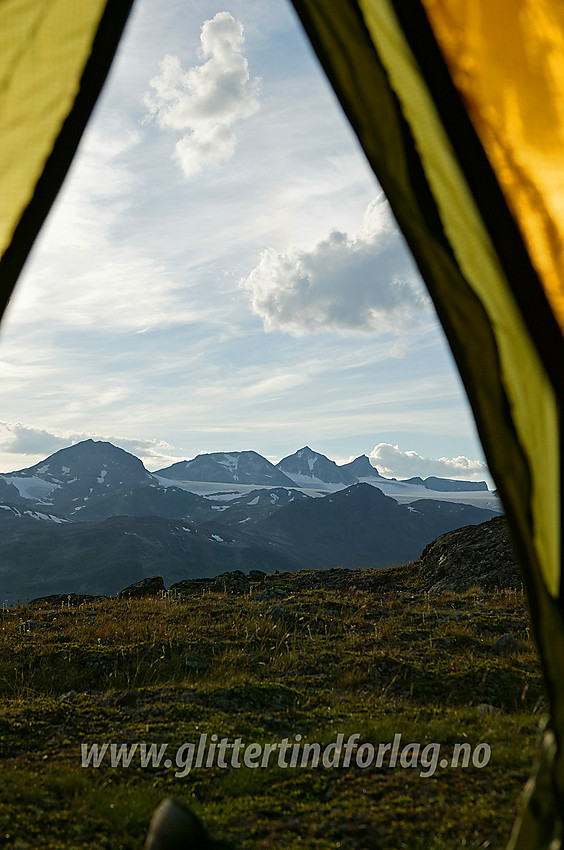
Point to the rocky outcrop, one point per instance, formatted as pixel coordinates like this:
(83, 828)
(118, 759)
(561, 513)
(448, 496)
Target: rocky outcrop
(151, 586)
(66, 599)
(474, 555)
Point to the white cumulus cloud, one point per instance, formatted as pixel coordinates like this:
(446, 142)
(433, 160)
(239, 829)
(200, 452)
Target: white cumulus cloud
(208, 99)
(393, 463)
(364, 282)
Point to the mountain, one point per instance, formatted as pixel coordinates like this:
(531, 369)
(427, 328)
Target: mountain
(100, 558)
(91, 519)
(175, 503)
(253, 507)
(361, 467)
(275, 529)
(227, 468)
(40, 554)
(306, 464)
(148, 500)
(448, 485)
(361, 527)
(70, 478)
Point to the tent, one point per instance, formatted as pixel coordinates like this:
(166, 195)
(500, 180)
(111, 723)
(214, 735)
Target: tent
(458, 106)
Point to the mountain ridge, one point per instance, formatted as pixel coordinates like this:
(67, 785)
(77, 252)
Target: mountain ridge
(91, 518)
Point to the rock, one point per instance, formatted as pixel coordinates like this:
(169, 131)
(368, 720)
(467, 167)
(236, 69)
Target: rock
(257, 575)
(271, 593)
(476, 555)
(66, 599)
(28, 626)
(485, 708)
(175, 827)
(506, 645)
(192, 585)
(232, 582)
(279, 614)
(68, 697)
(196, 662)
(152, 586)
(126, 699)
(122, 699)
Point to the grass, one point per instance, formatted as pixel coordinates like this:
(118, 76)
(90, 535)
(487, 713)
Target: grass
(310, 662)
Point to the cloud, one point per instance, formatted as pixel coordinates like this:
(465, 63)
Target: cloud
(365, 282)
(38, 443)
(274, 385)
(393, 463)
(24, 440)
(208, 99)
(83, 272)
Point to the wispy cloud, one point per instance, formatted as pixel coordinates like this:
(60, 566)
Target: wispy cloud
(208, 99)
(364, 282)
(394, 463)
(83, 272)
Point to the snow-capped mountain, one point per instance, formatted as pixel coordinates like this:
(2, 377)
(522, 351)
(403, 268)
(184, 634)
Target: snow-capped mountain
(70, 478)
(91, 518)
(228, 468)
(448, 485)
(306, 468)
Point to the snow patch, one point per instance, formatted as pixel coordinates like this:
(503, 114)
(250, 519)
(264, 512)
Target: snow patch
(254, 501)
(33, 488)
(103, 474)
(217, 538)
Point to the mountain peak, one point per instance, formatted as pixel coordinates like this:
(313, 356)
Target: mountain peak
(361, 468)
(308, 464)
(79, 473)
(246, 467)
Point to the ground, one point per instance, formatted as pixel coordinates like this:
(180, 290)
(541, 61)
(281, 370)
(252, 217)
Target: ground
(296, 656)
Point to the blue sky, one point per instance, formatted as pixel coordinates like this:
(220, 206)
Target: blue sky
(221, 271)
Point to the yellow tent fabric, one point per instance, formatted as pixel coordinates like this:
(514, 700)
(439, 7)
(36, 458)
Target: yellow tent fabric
(54, 58)
(488, 250)
(506, 58)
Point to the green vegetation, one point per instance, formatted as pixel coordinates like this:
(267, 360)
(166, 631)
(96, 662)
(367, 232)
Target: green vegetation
(312, 662)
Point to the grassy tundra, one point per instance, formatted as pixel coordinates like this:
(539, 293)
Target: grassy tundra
(264, 667)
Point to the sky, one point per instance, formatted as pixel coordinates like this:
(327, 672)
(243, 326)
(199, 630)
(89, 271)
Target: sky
(221, 271)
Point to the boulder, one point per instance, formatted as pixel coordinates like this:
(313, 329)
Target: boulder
(506, 645)
(151, 586)
(192, 585)
(232, 582)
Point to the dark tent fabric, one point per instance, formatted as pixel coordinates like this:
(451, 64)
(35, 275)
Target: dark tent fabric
(458, 106)
(414, 80)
